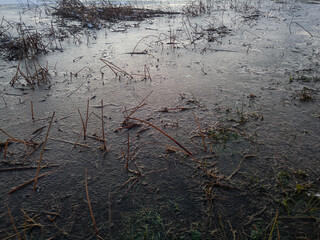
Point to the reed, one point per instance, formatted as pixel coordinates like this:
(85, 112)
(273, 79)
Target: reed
(168, 136)
(203, 141)
(32, 114)
(89, 204)
(13, 224)
(42, 151)
(102, 127)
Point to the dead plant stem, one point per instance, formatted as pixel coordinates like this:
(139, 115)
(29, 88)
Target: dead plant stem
(13, 224)
(42, 151)
(89, 204)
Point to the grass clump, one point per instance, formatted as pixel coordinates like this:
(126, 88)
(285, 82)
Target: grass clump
(145, 224)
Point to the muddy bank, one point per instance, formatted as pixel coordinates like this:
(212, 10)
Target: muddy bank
(236, 85)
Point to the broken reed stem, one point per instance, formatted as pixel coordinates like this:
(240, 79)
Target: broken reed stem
(32, 110)
(87, 116)
(168, 136)
(42, 151)
(83, 125)
(102, 126)
(274, 223)
(13, 224)
(7, 134)
(141, 104)
(128, 153)
(30, 181)
(203, 141)
(109, 213)
(89, 203)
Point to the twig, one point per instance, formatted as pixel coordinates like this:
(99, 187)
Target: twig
(304, 28)
(102, 126)
(274, 223)
(128, 153)
(42, 150)
(30, 181)
(32, 111)
(83, 125)
(87, 116)
(204, 143)
(74, 143)
(235, 171)
(171, 138)
(89, 203)
(14, 226)
(26, 168)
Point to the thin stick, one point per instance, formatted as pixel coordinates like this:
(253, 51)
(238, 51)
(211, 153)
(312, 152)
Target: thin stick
(83, 125)
(30, 181)
(32, 111)
(171, 138)
(141, 104)
(89, 203)
(7, 134)
(235, 171)
(102, 126)
(26, 168)
(274, 223)
(14, 226)
(128, 153)
(87, 116)
(204, 143)
(41, 155)
(73, 143)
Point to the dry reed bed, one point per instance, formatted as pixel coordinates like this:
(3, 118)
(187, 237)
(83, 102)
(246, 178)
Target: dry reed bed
(96, 15)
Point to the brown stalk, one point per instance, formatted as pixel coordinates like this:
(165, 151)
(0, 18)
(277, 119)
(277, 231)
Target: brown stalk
(141, 104)
(14, 226)
(87, 116)
(171, 138)
(102, 126)
(128, 153)
(42, 151)
(114, 68)
(83, 125)
(89, 203)
(30, 181)
(32, 111)
(203, 141)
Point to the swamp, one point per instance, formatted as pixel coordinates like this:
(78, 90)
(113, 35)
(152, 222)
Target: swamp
(147, 119)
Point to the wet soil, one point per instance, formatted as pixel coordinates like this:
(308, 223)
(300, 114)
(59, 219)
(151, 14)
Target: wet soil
(246, 73)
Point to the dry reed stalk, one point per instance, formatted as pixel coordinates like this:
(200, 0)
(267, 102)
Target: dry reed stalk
(158, 37)
(73, 143)
(168, 136)
(26, 168)
(13, 224)
(140, 176)
(102, 126)
(140, 105)
(87, 115)
(89, 203)
(109, 214)
(32, 110)
(114, 68)
(76, 143)
(203, 141)
(12, 138)
(83, 125)
(30, 181)
(128, 153)
(25, 157)
(42, 151)
(146, 70)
